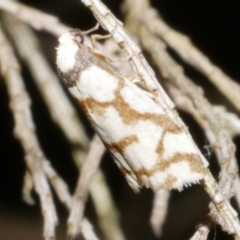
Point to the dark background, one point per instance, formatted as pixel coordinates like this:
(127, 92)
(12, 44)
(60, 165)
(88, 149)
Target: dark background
(213, 27)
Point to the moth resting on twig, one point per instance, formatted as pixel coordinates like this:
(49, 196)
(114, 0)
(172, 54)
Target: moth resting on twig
(149, 148)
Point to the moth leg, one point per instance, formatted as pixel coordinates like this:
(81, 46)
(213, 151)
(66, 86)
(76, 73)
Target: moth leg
(110, 58)
(95, 37)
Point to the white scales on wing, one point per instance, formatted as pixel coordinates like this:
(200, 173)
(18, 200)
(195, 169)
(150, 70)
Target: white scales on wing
(149, 148)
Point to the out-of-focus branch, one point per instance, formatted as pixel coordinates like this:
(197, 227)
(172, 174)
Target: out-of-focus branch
(59, 105)
(25, 132)
(109, 22)
(223, 141)
(159, 210)
(202, 230)
(36, 161)
(174, 73)
(185, 104)
(65, 116)
(189, 53)
(230, 120)
(104, 206)
(171, 71)
(88, 169)
(27, 188)
(107, 214)
(36, 18)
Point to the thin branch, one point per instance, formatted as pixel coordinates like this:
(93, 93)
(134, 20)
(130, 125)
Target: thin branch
(88, 169)
(27, 188)
(35, 159)
(63, 194)
(159, 210)
(65, 116)
(230, 120)
(25, 132)
(36, 18)
(223, 140)
(185, 104)
(202, 230)
(170, 70)
(140, 65)
(189, 53)
(87, 230)
(108, 217)
(224, 143)
(59, 105)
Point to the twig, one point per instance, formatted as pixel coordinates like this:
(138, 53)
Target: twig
(189, 53)
(100, 194)
(25, 132)
(109, 22)
(106, 211)
(35, 159)
(228, 162)
(185, 104)
(237, 192)
(65, 116)
(201, 233)
(63, 194)
(230, 120)
(159, 210)
(174, 73)
(223, 140)
(140, 65)
(203, 230)
(89, 167)
(60, 107)
(36, 18)
(87, 230)
(27, 188)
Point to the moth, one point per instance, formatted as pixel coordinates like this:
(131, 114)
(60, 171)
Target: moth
(150, 149)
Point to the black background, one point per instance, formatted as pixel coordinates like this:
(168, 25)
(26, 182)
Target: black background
(213, 26)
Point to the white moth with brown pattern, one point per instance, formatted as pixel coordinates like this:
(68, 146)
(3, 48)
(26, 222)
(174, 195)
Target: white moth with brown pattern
(149, 148)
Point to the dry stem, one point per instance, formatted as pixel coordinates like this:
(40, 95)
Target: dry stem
(25, 132)
(65, 116)
(88, 169)
(36, 18)
(189, 53)
(159, 210)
